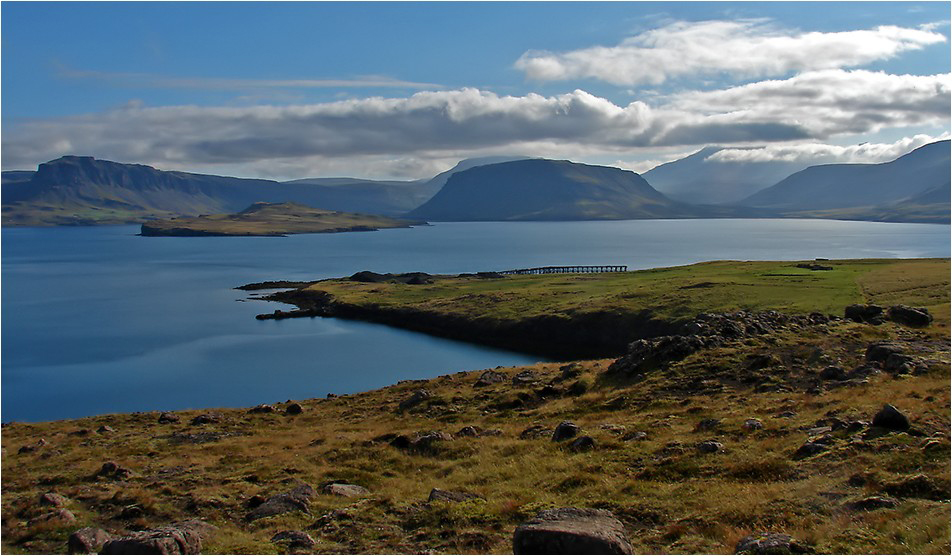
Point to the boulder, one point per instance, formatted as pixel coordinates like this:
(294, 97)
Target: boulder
(451, 496)
(489, 377)
(59, 517)
(105, 429)
(113, 470)
(88, 540)
(343, 489)
(872, 503)
(891, 418)
(833, 373)
(535, 431)
(810, 448)
(871, 314)
(707, 425)
(524, 378)
(297, 500)
(650, 354)
(564, 431)
(168, 417)
(880, 351)
(635, 435)
(294, 409)
(293, 539)
(910, 316)
(206, 418)
(263, 408)
(751, 425)
(898, 363)
(710, 447)
(415, 399)
(570, 371)
(571, 531)
(180, 538)
(470, 431)
(32, 447)
(582, 444)
(770, 543)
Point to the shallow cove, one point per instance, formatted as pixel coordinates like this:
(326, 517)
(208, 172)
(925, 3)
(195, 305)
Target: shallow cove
(98, 320)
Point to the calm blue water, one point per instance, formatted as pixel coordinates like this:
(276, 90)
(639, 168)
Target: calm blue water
(98, 320)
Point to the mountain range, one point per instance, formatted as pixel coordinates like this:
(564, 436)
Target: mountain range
(75, 190)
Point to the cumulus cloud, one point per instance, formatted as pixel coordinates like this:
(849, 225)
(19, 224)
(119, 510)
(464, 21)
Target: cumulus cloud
(377, 132)
(743, 48)
(820, 153)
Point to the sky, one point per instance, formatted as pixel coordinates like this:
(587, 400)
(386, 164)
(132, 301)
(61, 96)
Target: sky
(405, 90)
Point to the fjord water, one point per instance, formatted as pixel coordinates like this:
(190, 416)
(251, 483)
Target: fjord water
(98, 320)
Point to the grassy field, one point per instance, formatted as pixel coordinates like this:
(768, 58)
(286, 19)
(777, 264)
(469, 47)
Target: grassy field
(671, 497)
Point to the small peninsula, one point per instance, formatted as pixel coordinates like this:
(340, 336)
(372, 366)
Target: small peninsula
(273, 219)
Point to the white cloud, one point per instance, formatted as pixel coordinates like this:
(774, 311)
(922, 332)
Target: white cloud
(744, 48)
(820, 153)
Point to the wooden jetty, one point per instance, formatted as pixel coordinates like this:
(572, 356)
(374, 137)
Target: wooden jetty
(568, 269)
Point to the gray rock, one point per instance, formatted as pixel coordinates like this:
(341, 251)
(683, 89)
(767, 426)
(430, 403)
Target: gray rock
(207, 418)
(891, 418)
(707, 425)
(294, 539)
(415, 399)
(572, 531)
(523, 378)
(294, 409)
(345, 490)
(752, 425)
(297, 500)
(470, 431)
(910, 316)
(263, 408)
(88, 540)
(872, 314)
(535, 431)
(617, 430)
(810, 449)
(490, 377)
(582, 444)
(880, 351)
(635, 435)
(770, 543)
(105, 429)
(181, 538)
(168, 417)
(710, 447)
(564, 431)
(451, 496)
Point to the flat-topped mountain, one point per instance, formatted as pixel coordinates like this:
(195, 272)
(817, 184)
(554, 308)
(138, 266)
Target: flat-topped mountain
(540, 189)
(920, 177)
(273, 219)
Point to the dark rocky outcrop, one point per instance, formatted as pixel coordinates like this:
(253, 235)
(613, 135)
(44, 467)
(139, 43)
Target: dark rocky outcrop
(489, 377)
(113, 470)
(207, 418)
(910, 316)
(451, 496)
(293, 539)
(263, 408)
(294, 409)
(770, 543)
(296, 500)
(167, 418)
(564, 431)
(891, 418)
(583, 444)
(180, 538)
(654, 353)
(571, 531)
(415, 399)
(88, 540)
(871, 314)
(710, 447)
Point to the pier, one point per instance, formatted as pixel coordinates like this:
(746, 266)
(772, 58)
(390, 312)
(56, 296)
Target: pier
(568, 269)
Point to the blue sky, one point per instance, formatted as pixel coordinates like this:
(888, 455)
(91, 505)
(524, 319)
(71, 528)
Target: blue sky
(290, 90)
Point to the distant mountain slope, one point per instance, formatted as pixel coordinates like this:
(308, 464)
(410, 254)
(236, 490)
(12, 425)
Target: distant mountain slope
(369, 196)
(539, 189)
(699, 179)
(923, 171)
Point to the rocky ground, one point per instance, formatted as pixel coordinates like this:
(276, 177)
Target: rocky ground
(744, 432)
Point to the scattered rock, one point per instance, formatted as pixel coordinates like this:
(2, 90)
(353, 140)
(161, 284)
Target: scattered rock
(833, 373)
(294, 539)
(582, 444)
(489, 377)
(710, 447)
(880, 351)
(571, 531)
(650, 354)
(450, 496)
(113, 470)
(770, 543)
(617, 430)
(810, 448)
(635, 435)
(181, 538)
(263, 408)
(32, 447)
(53, 499)
(132, 511)
(910, 316)
(168, 417)
(470, 431)
(345, 490)
(758, 361)
(535, 431)
(707, 425)
(871, 314)
(105, 429)
(872, 503)
(207, 418)
(524, 378)
(59, 517)
(421, 442)
(415, 399)
(296, 500)
(564, 431)
(891, 418)
(88, 540)
(570, 371)
(294, 409)
(577, 388)
(751, 425)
